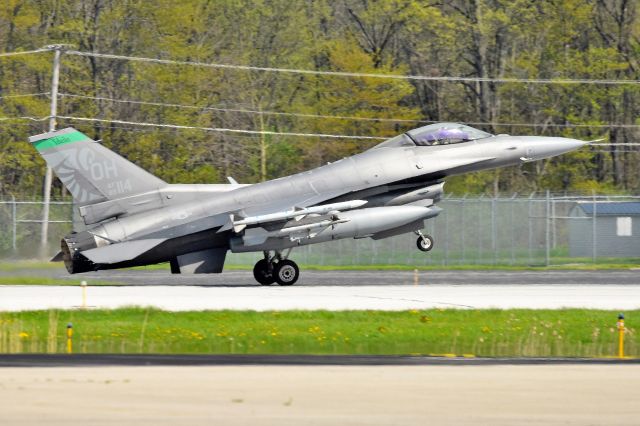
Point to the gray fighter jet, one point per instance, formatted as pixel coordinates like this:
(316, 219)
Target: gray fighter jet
(134, 218)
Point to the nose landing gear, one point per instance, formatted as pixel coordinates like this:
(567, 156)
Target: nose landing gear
(276, 269)
(424, 242)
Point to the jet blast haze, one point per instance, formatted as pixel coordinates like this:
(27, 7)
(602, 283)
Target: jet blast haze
(133, 218)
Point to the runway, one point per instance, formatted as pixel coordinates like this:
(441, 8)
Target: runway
(352, 278)
(333, 290)
(389, 297)
(493, 395)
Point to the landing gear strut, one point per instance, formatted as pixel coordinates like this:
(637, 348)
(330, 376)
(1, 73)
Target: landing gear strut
(424, 242)
(276, 268)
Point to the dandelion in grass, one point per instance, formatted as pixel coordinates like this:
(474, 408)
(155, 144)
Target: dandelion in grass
(24, 335)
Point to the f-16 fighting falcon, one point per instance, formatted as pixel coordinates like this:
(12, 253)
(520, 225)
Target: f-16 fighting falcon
(133, 218)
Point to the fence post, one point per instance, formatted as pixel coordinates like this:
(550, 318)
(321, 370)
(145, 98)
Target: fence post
(464, 228)
(513, 229)
(594, 229)
(14, 225)
(547, 251)
(530, 230)
(494, 243)
(446, 236)
(480, 228)
(554, 230)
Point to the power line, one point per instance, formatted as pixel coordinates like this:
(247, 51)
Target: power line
(616, 144)
(332, 73)
(246, 111)
(220, 129)
(354, 74)
(23, 118)
(26, 52)
(27, 95)
(338, 117)
(242, 131)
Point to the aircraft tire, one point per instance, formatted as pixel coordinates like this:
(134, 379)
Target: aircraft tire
(286, 272)
(425, 243)
(261, 273)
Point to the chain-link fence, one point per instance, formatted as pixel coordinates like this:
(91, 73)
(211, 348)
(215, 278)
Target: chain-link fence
(534, 230)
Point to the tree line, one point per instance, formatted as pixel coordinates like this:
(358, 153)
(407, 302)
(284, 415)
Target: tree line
(489, 39)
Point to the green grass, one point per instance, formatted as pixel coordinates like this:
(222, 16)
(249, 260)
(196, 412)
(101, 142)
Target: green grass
(530, 333)
(19, 265)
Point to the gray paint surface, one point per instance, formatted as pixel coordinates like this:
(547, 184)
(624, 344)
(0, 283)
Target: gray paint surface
(134, 218)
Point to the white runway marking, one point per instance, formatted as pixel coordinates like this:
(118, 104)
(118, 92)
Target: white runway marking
(391, 298)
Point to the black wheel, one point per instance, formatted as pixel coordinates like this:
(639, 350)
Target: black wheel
(286, 272)
(261, 273)
(425, 243)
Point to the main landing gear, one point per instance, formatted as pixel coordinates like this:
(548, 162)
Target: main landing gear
(276, 269)
(424, 242)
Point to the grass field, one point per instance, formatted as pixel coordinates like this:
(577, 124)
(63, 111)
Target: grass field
(530, 333)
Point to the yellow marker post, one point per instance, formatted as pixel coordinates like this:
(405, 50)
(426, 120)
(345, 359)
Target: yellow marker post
(620, 325)
(69, 338)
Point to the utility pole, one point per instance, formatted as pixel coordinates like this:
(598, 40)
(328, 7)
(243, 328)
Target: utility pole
(263, 148)
(55, 78)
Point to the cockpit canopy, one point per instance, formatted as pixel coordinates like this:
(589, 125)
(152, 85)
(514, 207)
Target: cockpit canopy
(436, 134)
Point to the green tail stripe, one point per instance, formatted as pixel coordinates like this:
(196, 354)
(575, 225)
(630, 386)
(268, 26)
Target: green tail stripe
(60, 140)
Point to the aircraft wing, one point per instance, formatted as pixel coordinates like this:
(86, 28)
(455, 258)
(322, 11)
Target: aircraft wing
(121, 252)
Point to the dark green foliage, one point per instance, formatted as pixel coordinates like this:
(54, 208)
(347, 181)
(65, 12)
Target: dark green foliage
(576, 39)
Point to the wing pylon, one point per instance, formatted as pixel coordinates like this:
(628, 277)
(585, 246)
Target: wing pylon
(239, 223)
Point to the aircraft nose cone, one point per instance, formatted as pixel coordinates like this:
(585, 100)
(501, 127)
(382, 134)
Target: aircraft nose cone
(571, 144)
(557, 146)
(545, 147)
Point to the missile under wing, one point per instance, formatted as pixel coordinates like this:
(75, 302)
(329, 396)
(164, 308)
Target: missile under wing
(133, 218)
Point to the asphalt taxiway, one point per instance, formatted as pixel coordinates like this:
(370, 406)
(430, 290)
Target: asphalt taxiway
(191, 360)
(358, 278)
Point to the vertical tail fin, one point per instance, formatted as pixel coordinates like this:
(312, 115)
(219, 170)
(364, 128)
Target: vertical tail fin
(91, 172)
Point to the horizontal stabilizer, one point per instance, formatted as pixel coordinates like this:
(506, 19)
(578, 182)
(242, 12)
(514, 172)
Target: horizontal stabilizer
(59, 257)
(121, 252)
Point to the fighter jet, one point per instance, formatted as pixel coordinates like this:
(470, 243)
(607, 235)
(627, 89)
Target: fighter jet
(133, 218)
